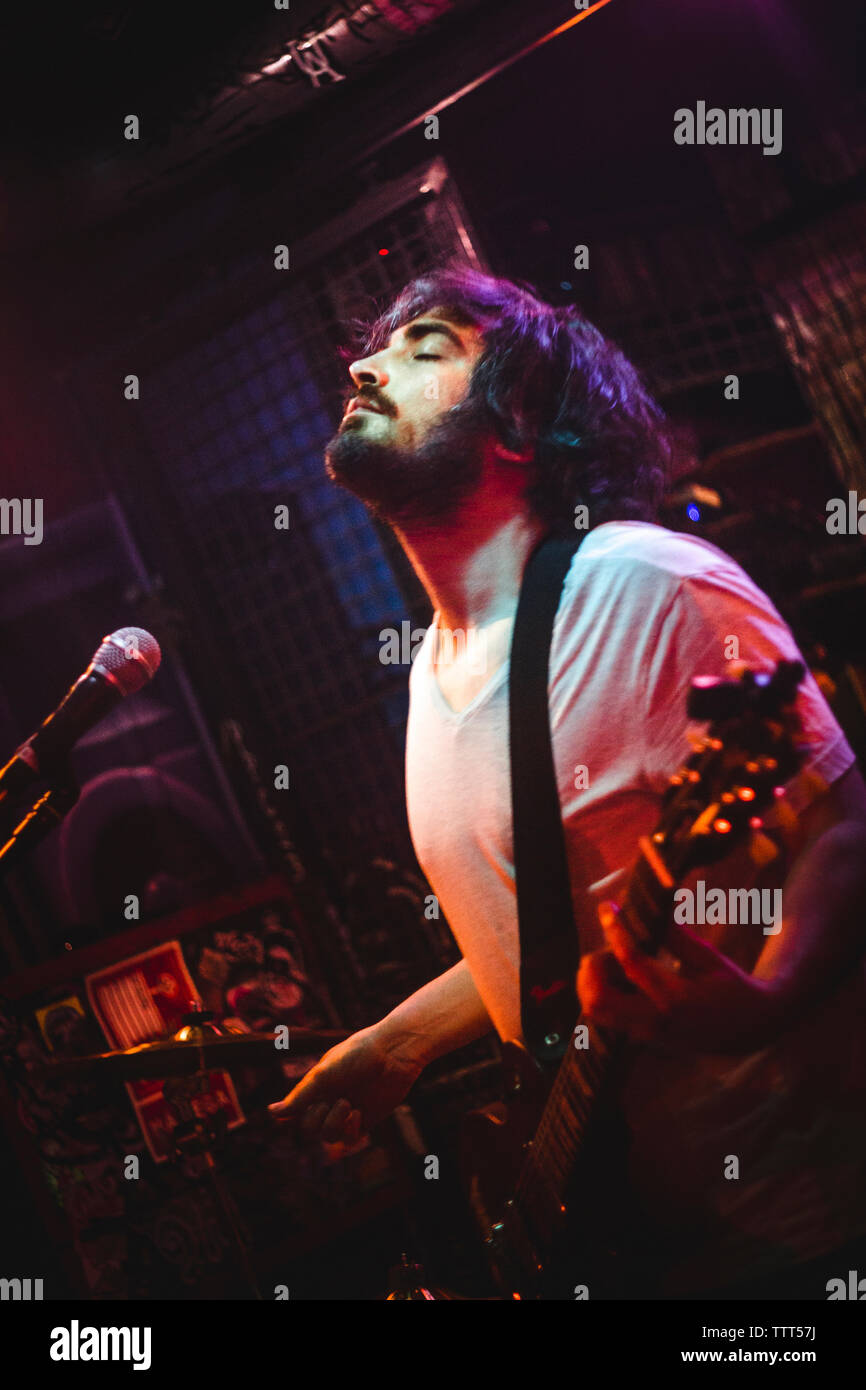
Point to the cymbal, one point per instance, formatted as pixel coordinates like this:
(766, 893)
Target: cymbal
(189, 1051)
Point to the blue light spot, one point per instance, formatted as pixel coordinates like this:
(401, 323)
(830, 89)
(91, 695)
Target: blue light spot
(692, 512)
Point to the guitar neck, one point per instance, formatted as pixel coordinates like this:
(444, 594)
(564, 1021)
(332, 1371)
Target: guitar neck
(583, 1074)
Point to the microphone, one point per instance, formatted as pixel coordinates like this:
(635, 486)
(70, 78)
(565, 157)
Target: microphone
(126, 660)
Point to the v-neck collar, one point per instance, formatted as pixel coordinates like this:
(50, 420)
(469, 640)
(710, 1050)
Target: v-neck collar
(479, 698)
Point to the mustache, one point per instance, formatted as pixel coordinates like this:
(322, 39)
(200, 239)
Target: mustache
(351, 392)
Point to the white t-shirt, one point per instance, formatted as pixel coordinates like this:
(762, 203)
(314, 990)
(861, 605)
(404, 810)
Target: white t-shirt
(643, 611)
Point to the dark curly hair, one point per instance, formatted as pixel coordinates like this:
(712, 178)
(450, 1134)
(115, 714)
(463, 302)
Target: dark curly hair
(549, 380)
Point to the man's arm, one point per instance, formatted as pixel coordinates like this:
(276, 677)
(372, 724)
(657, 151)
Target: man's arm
(360, 1081)
(711, 1005)
(445, 1014)
(823, 930)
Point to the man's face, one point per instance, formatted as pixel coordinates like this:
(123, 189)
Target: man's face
(411, 444)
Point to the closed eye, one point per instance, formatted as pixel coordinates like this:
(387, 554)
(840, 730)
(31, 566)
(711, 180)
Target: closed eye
(427, 357)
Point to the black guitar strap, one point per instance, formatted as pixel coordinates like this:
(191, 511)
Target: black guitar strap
(549, 947)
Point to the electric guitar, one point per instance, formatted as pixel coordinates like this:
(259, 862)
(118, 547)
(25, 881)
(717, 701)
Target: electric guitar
(521, 1169)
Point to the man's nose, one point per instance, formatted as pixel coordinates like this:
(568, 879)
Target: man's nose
(367, 371)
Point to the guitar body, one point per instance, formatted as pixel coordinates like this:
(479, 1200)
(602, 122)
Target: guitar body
(494, 1140)
(493, 1147)
(583, 1250)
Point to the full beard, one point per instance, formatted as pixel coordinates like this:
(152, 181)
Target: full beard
(424, 485)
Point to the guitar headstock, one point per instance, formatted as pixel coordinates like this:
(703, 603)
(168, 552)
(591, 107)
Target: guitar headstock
(738, 769)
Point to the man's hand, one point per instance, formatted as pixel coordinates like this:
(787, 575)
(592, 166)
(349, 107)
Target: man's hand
(692, 996)
(351, 1089)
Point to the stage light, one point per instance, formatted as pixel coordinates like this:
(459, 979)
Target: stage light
(693, 513)
(383, 250)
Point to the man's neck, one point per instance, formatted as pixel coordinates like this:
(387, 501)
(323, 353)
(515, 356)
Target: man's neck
(472, 567)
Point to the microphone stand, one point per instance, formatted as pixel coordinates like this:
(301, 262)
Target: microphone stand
(41, 819)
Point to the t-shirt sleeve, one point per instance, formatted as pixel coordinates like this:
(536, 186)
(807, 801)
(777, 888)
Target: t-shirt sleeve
(713, 619)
